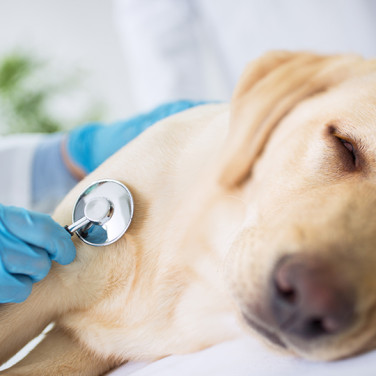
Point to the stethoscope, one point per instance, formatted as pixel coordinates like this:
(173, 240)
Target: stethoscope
(102, 213)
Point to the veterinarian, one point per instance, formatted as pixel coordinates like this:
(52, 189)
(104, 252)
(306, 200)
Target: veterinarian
(198, 49)
(38, 171)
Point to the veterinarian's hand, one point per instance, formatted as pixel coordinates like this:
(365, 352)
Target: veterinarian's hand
(28, 243)
(90, 145)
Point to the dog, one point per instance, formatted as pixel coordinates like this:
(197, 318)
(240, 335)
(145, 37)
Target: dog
(256, 214)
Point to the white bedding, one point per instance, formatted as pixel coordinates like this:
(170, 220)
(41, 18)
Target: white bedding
(247, 357)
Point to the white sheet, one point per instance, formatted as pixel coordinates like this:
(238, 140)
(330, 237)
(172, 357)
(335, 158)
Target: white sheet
(247, 357)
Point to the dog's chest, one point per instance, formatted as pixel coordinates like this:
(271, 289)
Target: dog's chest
(175, 322)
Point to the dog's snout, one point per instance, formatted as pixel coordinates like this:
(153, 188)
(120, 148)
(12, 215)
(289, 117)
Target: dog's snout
(307, 299)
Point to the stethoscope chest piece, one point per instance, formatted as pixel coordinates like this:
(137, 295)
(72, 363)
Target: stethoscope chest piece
(102, 213)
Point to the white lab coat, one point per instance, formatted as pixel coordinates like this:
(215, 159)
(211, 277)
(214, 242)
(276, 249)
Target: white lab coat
(197, 49)
(16, 156)
(33, 173)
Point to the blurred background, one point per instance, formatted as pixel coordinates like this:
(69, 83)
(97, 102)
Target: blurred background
(61, 63)
(66, 62)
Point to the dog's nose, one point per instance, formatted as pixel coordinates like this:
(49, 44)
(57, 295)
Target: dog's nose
(308, 300)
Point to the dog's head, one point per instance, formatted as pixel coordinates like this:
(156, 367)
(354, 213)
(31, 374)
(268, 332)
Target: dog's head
(301, 152)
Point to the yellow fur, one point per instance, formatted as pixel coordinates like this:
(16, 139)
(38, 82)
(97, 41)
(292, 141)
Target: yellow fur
(216, 192)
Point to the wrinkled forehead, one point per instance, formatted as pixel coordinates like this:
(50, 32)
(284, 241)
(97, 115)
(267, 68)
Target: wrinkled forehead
(356, 97)
(353, 102)
(350, 106)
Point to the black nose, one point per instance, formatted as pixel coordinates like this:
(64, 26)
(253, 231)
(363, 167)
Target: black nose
(308, 300)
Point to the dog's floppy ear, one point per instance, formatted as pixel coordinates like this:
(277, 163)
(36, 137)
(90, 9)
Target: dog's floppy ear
(268, 89)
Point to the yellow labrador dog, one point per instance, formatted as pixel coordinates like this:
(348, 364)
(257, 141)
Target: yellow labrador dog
(263, 210)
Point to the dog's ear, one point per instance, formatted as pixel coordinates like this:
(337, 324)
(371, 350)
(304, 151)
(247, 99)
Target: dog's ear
(269, 88)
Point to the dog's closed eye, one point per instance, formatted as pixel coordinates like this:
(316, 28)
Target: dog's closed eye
(346, 149)
(350, 149)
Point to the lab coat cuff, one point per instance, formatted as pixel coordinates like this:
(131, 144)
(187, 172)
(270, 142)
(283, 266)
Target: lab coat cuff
(51, 179)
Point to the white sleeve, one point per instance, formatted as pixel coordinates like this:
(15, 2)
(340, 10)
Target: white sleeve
(161, 50)
(242, 30)
(16, 157)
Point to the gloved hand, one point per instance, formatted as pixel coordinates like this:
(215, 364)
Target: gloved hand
(90, 145)
(28, 243)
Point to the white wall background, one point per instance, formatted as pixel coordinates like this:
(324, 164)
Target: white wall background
(72, 34)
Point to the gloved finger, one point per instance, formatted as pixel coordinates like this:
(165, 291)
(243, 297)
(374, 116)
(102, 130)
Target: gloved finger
(14, 288)
(20, 258)
(39, 230)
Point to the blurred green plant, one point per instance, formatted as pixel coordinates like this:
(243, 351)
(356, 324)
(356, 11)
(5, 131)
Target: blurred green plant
(27, 91)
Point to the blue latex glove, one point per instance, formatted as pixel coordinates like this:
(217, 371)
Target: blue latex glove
(28, 243)
(90, 145)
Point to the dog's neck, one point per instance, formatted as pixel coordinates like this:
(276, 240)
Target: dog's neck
(175, 196)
